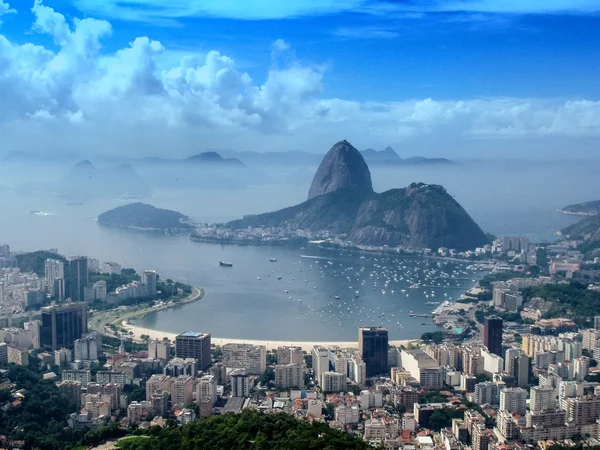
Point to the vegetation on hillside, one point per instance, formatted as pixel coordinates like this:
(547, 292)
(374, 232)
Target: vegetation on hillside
(141, 215)
(35, 261)
(39, 418)
(573, 300)
(248, 430)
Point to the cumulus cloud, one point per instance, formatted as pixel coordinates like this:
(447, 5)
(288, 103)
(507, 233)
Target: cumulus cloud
(79, 90)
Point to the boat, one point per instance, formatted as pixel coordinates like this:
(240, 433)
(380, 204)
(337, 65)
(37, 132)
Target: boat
(225, 264)
(279, 277)
(273, 259)
(337, 297)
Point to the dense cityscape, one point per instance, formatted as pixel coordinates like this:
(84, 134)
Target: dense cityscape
(505, 371)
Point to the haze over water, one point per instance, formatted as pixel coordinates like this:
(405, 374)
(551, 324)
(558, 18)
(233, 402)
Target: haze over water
(521, 200)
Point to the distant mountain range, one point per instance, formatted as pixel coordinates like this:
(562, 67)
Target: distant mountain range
(85, 180)
(341, 200)
(389, 157)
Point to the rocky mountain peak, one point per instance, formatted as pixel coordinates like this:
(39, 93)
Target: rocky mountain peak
(343, 167)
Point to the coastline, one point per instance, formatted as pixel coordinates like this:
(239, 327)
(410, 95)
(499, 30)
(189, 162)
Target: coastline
(121, 319)
(270, 345)
(98, 321)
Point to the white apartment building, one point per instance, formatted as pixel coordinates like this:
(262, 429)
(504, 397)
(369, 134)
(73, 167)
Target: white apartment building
(320, 361)
(347, 414)
(290, 355)
(207, 387)
(253, 358)
(158, 349)
(370, 399)
(333, 382)
(182, 391)
(289, 376)
(357, 371)
(424, 368)
(513, 400)
(54, 270)
(542, 397)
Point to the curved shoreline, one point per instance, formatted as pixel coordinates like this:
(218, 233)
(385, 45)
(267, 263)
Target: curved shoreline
(269, 344)
(98, 321)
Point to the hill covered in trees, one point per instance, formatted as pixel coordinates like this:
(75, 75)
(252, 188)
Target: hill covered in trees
(248, 430)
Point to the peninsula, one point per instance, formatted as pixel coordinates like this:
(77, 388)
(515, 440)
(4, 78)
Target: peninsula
(342, 208)
(146, 217)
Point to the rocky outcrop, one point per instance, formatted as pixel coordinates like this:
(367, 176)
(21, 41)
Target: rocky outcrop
(418, 216)
(343, 167)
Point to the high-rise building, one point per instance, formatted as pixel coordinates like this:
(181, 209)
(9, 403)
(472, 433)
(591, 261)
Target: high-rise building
(53, 270)
(333, 382)
(159, 349)
(182, 391)
(207, 387)
(492, 335)
(253, 358)
(373, 348)
(62, 325)
(3, 352)
(542, 397)
(78, 278)
(240, 383)
(86, 348)
(597, 322)
(289, 376)
(149, 278)
(194, 345)
(4, 251)
(320, 361)
(522, 369)
(290, 355)
(513, 400)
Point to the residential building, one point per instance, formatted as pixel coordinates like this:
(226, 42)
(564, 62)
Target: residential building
(542, 397)
(149, 278)
(62, 357)
(3, 352)
(86, 348)
(333, 382)
(54, 270)
(182, 391)
(109, 376)
(582, 410)
(100, 290)
(487, 393)
(289, 376)
(180, 366)
(320, 361)
(194, 345)
(423, 367)
(82, 376)
(513, 400)
(159, 349)
(207, 388)
(18, 355)
(71, 390)
(370, 400)
(357, 371)
(290, 355)
(62, 325)
(240, 383)
(253, 358)
(373, 349)
(347, 414)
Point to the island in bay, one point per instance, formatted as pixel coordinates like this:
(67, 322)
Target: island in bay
(342, 207)
(142, 216)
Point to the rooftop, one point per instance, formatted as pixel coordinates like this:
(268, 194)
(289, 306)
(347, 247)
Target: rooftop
(191, 334)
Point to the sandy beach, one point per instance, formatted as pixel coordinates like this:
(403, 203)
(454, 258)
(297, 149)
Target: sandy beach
(270, 345)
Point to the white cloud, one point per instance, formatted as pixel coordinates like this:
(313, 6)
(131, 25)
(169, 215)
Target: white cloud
(79, 94)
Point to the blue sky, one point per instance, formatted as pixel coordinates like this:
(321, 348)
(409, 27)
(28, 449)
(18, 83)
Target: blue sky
(301, 73)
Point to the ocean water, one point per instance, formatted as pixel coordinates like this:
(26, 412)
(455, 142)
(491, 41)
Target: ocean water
(517, 198)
